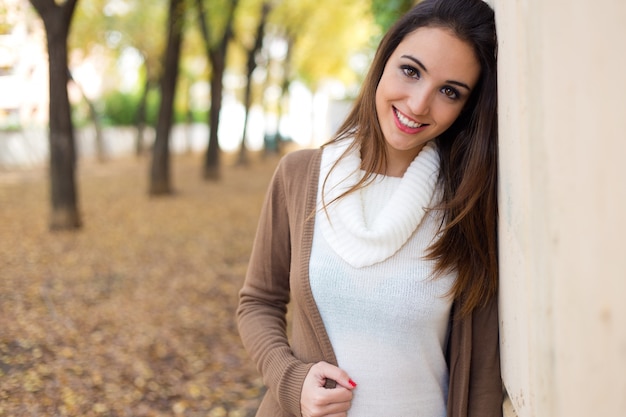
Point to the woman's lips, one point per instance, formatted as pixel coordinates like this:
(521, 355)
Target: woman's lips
(406, 124)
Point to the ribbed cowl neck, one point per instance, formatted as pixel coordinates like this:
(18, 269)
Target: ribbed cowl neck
(344, 225)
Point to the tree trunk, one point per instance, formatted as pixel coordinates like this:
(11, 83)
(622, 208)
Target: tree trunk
(160, 172)
(101, 154)
(243, 149)
(284, 93)
(217, 56)
(63, 194)
(251, 66)
(140, 119)
(188, 116)
(212, 157)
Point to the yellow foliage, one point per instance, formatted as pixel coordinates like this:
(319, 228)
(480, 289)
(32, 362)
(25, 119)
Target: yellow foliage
(327, 34)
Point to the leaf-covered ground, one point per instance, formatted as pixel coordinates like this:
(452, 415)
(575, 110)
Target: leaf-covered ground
(133, 315)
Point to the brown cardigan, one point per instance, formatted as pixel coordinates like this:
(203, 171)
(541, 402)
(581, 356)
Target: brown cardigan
(279, 273)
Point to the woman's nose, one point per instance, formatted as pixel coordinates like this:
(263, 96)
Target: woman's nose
(419, 100)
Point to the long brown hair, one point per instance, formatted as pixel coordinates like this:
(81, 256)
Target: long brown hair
(468, 241)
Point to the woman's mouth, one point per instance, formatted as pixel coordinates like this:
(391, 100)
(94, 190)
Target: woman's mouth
(405, 124)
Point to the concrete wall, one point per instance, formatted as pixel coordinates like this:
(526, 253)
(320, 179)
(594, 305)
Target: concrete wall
(562, 69)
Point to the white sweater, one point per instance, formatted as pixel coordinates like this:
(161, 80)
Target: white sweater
(386, 316)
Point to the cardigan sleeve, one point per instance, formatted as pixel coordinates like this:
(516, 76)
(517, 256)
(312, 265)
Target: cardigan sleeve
(485, 389)
(474, 360)
(263, 299)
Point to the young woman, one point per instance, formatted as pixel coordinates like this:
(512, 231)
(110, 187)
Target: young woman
(385, 240)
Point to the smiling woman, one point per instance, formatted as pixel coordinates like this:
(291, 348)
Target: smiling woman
(384, 240)
(414, 104)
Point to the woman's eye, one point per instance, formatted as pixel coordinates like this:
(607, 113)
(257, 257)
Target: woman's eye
(409, 71)
(450, 92)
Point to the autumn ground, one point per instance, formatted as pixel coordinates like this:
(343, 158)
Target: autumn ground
(134, 314)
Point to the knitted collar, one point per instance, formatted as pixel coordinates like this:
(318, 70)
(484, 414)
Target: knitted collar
(344, 225)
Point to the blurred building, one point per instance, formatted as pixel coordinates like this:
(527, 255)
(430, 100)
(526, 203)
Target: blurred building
(23, 66)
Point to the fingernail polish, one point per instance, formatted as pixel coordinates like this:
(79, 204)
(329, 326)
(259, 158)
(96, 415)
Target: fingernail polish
(351, 382)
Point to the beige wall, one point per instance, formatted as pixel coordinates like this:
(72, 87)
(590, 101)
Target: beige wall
(562, 68)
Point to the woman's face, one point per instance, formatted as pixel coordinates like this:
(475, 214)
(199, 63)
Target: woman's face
(424, 86)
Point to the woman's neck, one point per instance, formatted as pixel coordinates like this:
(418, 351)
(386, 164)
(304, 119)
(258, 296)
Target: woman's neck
(398, 161)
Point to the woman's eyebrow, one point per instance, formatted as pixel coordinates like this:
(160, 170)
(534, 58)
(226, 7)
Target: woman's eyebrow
(459, 84)
(417, 62)
(423, 67)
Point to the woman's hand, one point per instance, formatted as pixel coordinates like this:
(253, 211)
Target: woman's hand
(317, 401)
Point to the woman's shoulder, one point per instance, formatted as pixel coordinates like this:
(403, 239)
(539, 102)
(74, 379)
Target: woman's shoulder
(297, 174)
(301, 161)
(301, 157)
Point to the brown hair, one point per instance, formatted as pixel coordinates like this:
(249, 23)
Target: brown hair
(468, 149)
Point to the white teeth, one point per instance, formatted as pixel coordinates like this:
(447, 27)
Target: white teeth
(405, 121)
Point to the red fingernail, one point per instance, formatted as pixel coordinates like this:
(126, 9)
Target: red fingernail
(351, 382)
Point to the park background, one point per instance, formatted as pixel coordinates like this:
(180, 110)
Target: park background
(131, 313)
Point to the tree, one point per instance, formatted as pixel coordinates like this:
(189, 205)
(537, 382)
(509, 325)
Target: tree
(252, 56)
(57, 18)
(386, 12)
(107, 31)
(216, 44)
(150, 46)
(321, 38)
(95, 119)
(284, 90)
(160, 172)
